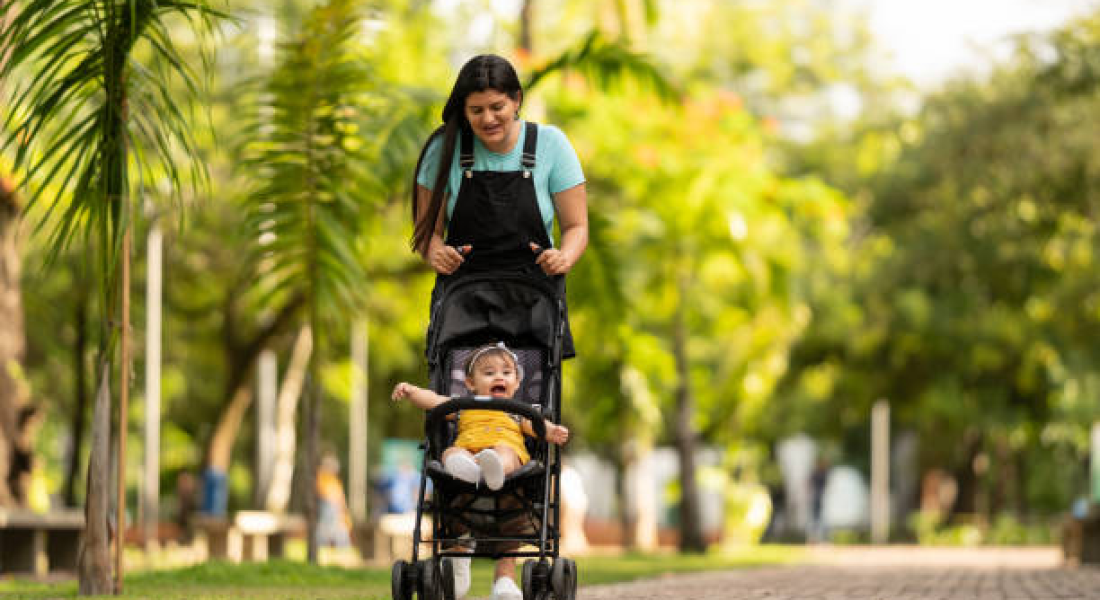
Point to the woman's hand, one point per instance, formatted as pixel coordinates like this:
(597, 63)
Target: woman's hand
(551, 260)
(445, 259)
(556, 434)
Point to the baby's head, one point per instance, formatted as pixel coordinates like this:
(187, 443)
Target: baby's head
(493, 370)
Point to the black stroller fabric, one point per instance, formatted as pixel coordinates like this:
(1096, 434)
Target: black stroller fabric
(484, 310)
(526, 312)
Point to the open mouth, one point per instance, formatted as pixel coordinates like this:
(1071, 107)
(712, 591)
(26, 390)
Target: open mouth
(498, 390)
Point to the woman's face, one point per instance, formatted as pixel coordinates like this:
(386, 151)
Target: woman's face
(494, 376)
(491, 115)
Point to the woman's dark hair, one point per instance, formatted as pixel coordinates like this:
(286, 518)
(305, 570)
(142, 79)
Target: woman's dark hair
(484, 72)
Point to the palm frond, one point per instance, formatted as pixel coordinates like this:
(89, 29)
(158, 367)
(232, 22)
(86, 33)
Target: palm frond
(311, 165)
(607, 64)
(82, 108)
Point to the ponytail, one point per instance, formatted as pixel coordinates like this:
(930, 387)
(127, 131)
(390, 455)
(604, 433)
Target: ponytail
(424, 224)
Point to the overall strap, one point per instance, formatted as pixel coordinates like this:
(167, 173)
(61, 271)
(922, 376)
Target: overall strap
(466, 156)
(529, 145)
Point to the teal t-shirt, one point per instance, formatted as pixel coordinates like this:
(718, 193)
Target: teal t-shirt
(557, 168)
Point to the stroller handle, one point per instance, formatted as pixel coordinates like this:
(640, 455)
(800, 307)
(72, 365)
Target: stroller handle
(440, 412)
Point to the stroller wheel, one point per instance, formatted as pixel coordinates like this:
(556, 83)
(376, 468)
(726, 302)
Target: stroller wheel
(447, 579)
(536, 580)
(569, 579)
(563, 579)
(400, 585)
(529, 580)
(430, 579)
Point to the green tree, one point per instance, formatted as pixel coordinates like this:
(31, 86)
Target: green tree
(309, 161)
(967, 299)
(91, 105)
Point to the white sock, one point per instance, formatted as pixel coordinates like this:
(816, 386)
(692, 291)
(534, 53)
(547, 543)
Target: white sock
(461, 466)
(506, 589)
(492, 468)
(461, 567)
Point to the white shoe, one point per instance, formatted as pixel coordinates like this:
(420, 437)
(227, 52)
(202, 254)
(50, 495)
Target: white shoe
(506, 589)
(491, 468)
(461, 466)
(461, 568)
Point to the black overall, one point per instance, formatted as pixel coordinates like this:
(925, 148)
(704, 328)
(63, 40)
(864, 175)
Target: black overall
(497, 214)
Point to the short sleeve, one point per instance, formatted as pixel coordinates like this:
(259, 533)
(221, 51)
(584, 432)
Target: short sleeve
(565, 171)
(429, 165)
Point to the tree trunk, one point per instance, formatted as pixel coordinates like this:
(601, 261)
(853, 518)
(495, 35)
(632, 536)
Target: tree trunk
(526, 22)
(1020, 488)
(641, 532)
(242, 360)
(691, 527)
(358, 422)
(80, 393)
(13, 389)
(313, 428)
(620, 460)
(94, 561)
(229, 424)
(290, 391)
(123, 412)
(966, 499)
(639, 415)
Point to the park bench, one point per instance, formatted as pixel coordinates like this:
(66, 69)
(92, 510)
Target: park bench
(253, 535)
(39, 543)
(389, 538)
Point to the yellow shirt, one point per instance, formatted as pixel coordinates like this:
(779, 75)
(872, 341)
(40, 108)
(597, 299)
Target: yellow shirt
(481, 429)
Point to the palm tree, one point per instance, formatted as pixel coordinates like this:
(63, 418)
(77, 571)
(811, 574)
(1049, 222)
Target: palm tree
(91, 117)
(314, 178)
(13, 392)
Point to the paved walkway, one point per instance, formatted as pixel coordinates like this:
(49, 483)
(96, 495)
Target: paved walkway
(892, 573)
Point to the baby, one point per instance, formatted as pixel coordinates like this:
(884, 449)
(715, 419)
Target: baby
(489, 445)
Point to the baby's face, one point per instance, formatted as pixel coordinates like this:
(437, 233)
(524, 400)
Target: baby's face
(494, 376)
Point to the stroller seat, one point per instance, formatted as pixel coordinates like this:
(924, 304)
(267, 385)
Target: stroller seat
(532, 363)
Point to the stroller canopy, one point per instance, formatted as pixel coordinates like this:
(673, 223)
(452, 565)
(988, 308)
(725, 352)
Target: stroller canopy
(474, 310)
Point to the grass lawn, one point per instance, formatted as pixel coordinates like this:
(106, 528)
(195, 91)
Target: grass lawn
(287, 580)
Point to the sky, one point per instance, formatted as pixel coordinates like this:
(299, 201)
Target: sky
(931, 39)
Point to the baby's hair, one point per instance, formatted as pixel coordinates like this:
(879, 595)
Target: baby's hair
(497, 349)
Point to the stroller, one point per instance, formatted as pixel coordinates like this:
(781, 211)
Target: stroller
(526, 310)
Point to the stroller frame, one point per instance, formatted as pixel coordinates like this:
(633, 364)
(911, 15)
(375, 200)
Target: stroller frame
(533, 490)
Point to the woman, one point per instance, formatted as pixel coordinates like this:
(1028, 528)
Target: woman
(488, 186)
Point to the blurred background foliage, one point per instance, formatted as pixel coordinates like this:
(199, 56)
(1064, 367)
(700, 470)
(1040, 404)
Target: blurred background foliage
(760, 264)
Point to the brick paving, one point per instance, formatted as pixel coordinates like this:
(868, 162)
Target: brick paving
(879, 574)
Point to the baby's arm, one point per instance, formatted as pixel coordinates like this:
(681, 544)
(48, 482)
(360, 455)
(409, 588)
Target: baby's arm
(557, 434)
(419, 396)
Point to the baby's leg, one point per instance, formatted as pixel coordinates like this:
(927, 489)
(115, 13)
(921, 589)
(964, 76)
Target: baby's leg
(508, 457)
(461, 464)
(496, 463)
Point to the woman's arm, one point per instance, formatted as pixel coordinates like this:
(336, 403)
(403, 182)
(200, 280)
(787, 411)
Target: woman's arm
(419, 396)
(441, 257)
(572, 209)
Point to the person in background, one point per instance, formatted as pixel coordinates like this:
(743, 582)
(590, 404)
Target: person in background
(333, 520)
(819, 478)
